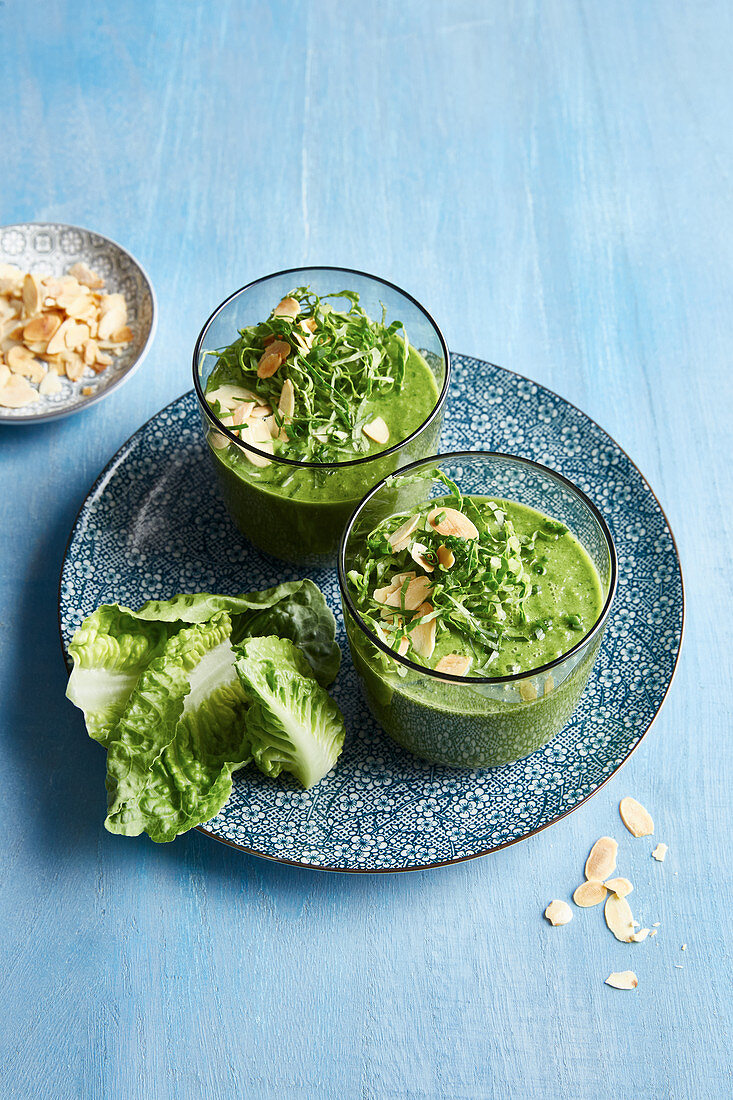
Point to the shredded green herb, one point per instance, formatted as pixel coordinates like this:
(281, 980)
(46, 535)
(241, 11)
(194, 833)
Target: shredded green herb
(481, 596)
(337, 365)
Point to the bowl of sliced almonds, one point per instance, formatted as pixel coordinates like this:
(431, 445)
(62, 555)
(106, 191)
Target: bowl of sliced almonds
(77, 318)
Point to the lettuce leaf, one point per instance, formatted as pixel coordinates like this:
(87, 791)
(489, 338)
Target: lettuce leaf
(114, 645)
(182, 734)
(293, 725)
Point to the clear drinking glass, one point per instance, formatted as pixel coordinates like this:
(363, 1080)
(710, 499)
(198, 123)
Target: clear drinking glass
(475, 721)
(300, 511)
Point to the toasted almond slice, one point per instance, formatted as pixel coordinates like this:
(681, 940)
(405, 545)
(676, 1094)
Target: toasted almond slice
(57, 342)
(269, 363)
(241, 414)
(20, 359)
(32, 294)
(50, 384)
(446, 557)
(76, 335)
(121, 336)
(618, 918)
(589, 893)
(528, 691)
(4, 373)
(652, 933)
(72, 295)
(305, 342)
(558, 912)
(660, 852)
(101, 362)
(288, 307)
(389, 639)
(377, 430)
(90, 352)
(619, 886)
(422, 636)
(74, 364)
(417, 552)
(113, 314)
(42, 328)
(82, 307)
(452, 522)
(400, 538)
(601, 861)
(381, 594)
(640, 936)
(414, 594)
(309, 324)
(88, 278)
(454, 664)
(261, 412)
(17, 392)
(229, 396)
(263, 443)
(281, 348)
(11, 279)
(286, 404)
(622, 979)
(636, 819)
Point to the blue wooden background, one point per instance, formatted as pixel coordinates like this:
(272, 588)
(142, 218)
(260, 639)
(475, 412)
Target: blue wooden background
(553, 179)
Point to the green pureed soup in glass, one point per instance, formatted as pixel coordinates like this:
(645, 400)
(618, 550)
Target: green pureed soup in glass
(320, 385)
(471, 586)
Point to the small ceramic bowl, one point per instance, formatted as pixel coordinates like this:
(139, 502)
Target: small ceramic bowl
(479, 721)
(51, 249)
(299, 512)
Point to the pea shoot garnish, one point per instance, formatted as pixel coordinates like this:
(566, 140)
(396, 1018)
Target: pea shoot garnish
(310, 372)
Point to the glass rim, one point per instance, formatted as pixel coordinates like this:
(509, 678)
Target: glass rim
(514, 677)
(298, 463)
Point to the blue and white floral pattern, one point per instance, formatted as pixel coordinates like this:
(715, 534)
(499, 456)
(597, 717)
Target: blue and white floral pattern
(154, 525)
(46, 248)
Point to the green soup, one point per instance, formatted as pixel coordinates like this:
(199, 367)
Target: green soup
(298, 512)
(537, 597)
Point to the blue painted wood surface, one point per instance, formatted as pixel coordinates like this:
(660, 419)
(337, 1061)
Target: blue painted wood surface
(554, 181)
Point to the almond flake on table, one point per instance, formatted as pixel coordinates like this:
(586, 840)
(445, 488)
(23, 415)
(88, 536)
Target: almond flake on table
(558, 913)
(636, 819)
(624, 979)
(660, 852)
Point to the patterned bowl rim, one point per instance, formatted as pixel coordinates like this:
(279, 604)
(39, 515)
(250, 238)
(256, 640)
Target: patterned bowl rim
(540, 670)
(42, 418)
(298, 463)
(115, 459)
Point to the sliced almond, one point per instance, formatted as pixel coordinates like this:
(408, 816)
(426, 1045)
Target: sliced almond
(305, 342)
(76, 335)
(454, 664)
(619, 886)
(558, 912)
(414, 594)
(90, 352)
(269, 363)
(377, 430)
(11, 279)
(660, 852)
(418, 553)
(449, 521)
(400, 538)
(288, 307)
(42, 328)
(640, 936)
(17, 392)
(74, 365)
(101, 362)
(113, 315)
(57, 342)
(309, 324)
(252, 433)
(422, 636)
(636, 819)
(528, 691)
(20, 360)
(229, 396)
(381, 594)
(4, 373)
(50, 384)
(32, 294)
(601, 861)
(622, 979)
(82, 306)
(87, 278)
(589, 893)
(121, 336)
(242, 412)
(286, 404)
(261, 412)
(618, 918)
(446, 557)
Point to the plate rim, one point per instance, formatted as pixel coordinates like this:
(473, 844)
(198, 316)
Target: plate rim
(43, 418)
(115, 458)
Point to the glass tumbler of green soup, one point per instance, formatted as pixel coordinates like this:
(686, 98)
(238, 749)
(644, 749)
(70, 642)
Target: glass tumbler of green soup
(476, 588)
(313, 384)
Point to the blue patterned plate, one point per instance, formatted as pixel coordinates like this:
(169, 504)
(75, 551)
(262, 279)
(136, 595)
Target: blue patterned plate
(153, 525)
